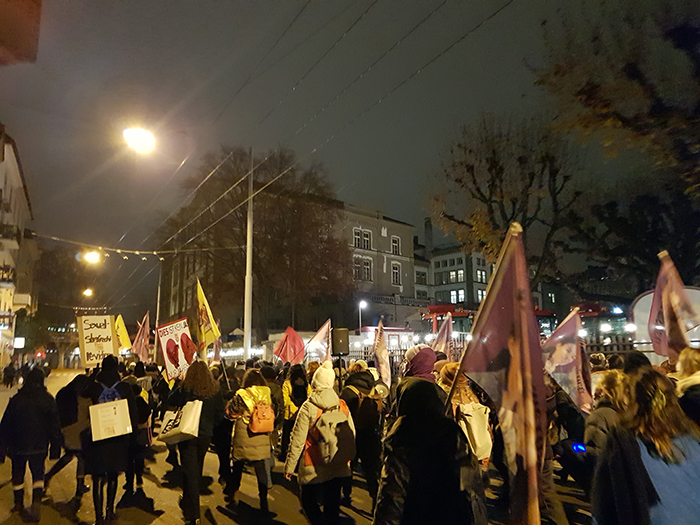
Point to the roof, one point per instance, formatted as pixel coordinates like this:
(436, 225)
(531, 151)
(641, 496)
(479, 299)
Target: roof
(449, 249)
(420, 258)
(9, 140)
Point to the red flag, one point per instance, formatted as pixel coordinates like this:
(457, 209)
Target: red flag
(319, 346)
(565, 358)
(672, 313)
(443, 340)
(505, 359)
(290, 348)
(141, 341)
(381, 355)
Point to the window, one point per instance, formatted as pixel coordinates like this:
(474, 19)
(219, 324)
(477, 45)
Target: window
(481, 276)
(357, 269)
(357, 235)
(460, 260)
(396, 274)
(421, 278)
(444, 263)
(452, 262)
(421, 294)
(551, 297)
(437, 264)
(460, 295)
(480, 294)
(453, 296)
(367, 270)
(395, 245)
(460, 276)
(453, 276)
(366, 240)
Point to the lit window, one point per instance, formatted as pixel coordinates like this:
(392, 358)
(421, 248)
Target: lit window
(453, 276)
(460, 295)
(396, 274)
(480, 294)
(367, 270)
(453, 296)
(551, 297)
(395, 245)
(357, 235)
(460, 276)
(481, 276)
(367, 240)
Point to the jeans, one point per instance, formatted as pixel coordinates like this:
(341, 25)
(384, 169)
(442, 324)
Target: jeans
(329, 492)
(192, 454)
(36, 466)
(287, 427)
(237, 474)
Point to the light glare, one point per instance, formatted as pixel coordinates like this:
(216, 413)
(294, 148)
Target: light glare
(140, 140)
(92, 257)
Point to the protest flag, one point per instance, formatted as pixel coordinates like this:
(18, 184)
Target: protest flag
(290, 349)
(381, 355)
(565, 359)
(443, 340)
(320, 343)
(504, 358)
(141, 341)
(672, 313)
(218, 344)
(208, 329)
(122, 334)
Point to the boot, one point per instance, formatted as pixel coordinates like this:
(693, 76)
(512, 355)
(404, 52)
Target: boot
(81, 488)
(111, 496)
(19, 501)
(262, 491)
(98, 498)
(33, 513)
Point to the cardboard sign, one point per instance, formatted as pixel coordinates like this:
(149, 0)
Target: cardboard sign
(179, 351)
(98, 339)
(109, 420)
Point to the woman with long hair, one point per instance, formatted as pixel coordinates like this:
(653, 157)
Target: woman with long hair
(688, 386)
(198, 384)
(295, 390)
(649, 471)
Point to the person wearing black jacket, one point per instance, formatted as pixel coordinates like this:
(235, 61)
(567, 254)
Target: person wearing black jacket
(137, 451)
(29, 426)
(278, 407)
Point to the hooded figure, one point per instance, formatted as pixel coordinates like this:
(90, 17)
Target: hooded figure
(429, 475)
(421, 362)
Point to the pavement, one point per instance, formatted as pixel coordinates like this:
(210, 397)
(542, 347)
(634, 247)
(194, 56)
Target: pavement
(161, 484)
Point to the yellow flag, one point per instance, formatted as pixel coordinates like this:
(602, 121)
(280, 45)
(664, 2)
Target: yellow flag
(122, 334)
(208, 330)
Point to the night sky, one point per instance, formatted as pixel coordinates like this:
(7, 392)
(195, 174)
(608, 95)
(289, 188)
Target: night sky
(173, 67)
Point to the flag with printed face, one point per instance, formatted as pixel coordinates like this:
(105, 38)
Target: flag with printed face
(122, 335)
(208, 329)
(319, 346)
(141, 341)
(290, 349)
(504, 357)
(565, 357)
(443, 340)
(381, 355)
(672, 313)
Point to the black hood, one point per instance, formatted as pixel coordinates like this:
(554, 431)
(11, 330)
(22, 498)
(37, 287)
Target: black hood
(363, 381)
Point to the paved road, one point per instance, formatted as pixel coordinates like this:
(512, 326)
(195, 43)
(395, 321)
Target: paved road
(161, 483)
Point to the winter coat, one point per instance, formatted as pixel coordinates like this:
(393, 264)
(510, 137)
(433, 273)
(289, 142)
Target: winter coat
(212, 409)
(599, 424)
(689, 396)
(289, 407)
(309, 473)
(366, 412)
(429, 475)
(277, 402)
(30, 424)
(246, 445)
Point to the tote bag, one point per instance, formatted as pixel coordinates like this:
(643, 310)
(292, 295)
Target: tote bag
(473, 419)
(110, 419)
(182, 424)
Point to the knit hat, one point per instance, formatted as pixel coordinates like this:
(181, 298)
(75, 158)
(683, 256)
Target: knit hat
(324, 377)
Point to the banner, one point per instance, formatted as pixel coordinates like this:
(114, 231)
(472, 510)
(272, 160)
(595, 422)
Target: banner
(123, 339)
(208, 330)
(319, 346)
(505, 359)
(218, 345)
(672, 314)
(290, 349)
(142, 340)
(97, 339)
(179, 351)
(381, 355)
(565, 358)
(443, 340)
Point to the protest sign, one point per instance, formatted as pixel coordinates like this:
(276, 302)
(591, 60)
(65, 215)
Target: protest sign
(98, 339)
(177, 346)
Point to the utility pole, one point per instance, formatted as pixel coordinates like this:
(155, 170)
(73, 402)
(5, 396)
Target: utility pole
(248, 303)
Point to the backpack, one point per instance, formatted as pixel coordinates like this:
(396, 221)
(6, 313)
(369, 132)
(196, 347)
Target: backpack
(262, 419)
(109, 393)
(473, 419)
(330, 439)
(369, 409)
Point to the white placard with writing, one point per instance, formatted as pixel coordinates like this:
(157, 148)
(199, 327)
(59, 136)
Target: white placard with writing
(177, 347)
(109, 420)
(98, 339)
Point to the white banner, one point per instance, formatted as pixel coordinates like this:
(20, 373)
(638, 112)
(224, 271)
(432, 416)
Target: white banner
(177, 346)
(98, 339)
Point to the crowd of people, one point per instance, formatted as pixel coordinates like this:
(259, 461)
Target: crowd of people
(423, 458)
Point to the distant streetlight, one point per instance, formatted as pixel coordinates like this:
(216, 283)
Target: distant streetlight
(140, 140)
(92, 257)
(88, 292)
(361, 306)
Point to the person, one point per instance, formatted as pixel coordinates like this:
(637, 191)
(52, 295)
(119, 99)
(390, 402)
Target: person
(199, 385)
(137, 449)
(616, 362)
(30, 429)
(278, 407)
(105, 459)
(357, 366)
(8, 375)
(319, 475)
(221, 439)
(649, 471)
(428, 473)
(248, 446)
(634, 361)
(688, 386)
(420, 362)
(598, 363)
(365, 406)
(311, 368)
(74, 419)
(295, 390)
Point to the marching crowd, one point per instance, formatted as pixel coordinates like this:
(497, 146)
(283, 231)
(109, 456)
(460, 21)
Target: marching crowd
(637, 454)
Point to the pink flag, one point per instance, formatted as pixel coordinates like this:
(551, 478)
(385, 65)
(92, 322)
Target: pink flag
(672, 314)
(565, 358)
(319, 346)
(505, 359)
(141, 341)
(218, 344)
(290, 349)
(443, 340)
(381, 355)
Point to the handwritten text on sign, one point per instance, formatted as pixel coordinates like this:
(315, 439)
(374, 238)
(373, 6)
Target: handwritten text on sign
(97, 338)
(177, 347)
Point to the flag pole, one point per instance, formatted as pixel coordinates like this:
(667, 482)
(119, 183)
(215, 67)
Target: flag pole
(248, 302)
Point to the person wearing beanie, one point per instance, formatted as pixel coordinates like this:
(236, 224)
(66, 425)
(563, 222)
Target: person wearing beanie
(321, 477)
(28, 428)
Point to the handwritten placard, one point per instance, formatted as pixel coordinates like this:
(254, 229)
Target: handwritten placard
(98, 338)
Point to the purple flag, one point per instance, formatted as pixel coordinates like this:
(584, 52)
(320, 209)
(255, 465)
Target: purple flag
(381, 355)
(141, 341)
(443, 340)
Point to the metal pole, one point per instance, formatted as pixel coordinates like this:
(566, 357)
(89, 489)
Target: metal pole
(155, 345)
(248, 303)
(359, 311)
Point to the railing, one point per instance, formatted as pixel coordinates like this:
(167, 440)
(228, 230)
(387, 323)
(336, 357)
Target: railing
(396, 299)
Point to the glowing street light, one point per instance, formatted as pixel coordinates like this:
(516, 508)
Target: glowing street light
(140, 140)
(361, 306)
(88, 292)
(92, 257)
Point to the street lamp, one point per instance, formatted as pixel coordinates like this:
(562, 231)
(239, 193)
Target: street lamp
(88, 292)
(92, 257)
(361, 306)
(140, 140)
